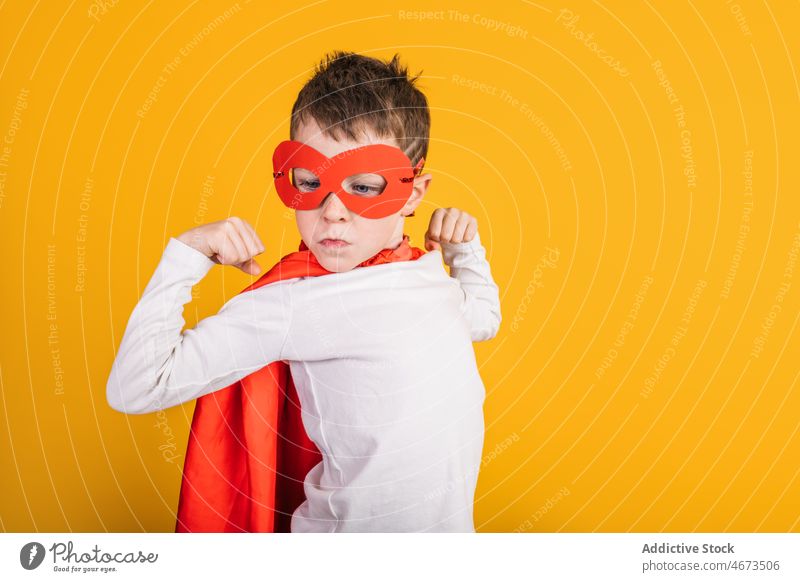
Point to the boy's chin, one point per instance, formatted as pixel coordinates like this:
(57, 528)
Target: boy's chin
(335, 264)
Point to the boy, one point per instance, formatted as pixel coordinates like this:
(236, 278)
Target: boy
(380, 355)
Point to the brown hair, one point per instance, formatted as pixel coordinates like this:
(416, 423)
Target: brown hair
(350, 92)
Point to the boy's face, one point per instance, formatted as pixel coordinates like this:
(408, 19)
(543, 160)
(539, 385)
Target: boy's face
(341, 239)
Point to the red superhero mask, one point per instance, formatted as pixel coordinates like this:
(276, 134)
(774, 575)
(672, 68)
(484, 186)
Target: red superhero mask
(373, 181)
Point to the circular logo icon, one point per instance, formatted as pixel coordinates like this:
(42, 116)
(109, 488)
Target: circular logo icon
(31, 555)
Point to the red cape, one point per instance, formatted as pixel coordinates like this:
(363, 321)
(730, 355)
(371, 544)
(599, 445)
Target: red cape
(240, 473)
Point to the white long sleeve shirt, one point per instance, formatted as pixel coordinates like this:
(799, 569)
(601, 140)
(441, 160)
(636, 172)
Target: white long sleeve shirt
(382, 361)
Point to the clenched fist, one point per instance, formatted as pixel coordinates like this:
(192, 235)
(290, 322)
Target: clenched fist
(450, 225)
(228, 242)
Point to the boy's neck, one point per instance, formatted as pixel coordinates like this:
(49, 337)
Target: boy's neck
(393, 245)
(397, 236)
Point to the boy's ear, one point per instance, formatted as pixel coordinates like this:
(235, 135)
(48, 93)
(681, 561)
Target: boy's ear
(421, 184)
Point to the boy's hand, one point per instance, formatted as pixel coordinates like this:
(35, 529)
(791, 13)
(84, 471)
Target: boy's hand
(228, 242)
(450, 225)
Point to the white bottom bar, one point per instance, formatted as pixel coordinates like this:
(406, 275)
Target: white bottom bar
(420, 557)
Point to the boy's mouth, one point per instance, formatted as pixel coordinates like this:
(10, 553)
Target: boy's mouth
(333, 242)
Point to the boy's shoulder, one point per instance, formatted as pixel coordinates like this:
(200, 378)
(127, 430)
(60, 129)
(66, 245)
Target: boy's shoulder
(428, 269)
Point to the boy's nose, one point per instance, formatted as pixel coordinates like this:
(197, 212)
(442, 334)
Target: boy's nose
(333, 208)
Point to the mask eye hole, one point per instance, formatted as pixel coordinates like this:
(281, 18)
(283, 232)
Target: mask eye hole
(366, 185)
(304, 180)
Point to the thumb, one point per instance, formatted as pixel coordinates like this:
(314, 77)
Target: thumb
(432, 245)
(250, 266)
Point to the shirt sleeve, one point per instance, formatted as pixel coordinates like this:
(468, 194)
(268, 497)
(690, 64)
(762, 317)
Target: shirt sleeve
(158, 365)
(468, 264)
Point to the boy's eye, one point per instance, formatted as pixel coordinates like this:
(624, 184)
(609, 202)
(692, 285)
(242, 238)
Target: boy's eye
(365, 189)
(304, 180)
(308, 185)
(364, 184)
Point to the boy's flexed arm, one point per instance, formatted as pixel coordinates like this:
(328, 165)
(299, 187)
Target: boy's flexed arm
(456, 233)
(157, 365)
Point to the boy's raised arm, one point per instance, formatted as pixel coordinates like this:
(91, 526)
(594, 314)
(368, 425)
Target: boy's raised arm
(468, 264)
(158, 365)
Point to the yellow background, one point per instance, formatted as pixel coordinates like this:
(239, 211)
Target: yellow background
(645, 375)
